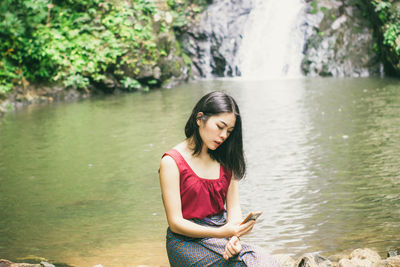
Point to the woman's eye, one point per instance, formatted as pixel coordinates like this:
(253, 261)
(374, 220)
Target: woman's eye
(219, 127)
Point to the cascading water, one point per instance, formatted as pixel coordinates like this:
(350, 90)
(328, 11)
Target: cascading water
(249, 38)
(273, 40)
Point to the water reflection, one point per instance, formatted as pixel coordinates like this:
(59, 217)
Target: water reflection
(276, 128)
(79, 180)
(350, 167)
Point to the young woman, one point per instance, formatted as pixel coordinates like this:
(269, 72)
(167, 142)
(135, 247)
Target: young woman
(200, 190)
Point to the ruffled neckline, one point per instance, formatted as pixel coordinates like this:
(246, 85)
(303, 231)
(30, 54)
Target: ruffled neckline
(195, 174)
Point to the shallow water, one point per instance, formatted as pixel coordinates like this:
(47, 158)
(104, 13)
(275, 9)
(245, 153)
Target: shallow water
(79, 180)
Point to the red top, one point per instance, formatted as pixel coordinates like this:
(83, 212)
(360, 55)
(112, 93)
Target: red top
(200, 197)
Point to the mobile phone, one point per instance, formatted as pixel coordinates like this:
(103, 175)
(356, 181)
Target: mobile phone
(252, 216)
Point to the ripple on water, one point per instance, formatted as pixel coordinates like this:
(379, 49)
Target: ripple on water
(95, 187)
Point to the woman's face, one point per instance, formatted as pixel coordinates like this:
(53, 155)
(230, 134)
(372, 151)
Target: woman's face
(216, 129)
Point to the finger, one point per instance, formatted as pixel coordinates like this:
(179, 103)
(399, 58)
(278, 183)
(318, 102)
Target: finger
(251, 223)
(247, 231)
(247, 227)
(225, 255)
(244, 231)
(237, 247)
(230, 250)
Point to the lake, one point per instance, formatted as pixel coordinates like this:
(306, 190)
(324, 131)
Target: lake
(79, 180)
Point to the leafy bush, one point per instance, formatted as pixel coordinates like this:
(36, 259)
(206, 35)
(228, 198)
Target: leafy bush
(181, 11)
(387, 29)
(73, 41)
(392, 37)
(130, 84)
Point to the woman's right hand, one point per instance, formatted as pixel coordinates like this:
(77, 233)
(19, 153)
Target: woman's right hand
(232, 248)
(230, 229)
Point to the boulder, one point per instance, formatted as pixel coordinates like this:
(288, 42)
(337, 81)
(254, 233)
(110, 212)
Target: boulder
(347, 263)
(361, 258)
(285, 260)
(7, 263)
(391, 262)
(312, 260)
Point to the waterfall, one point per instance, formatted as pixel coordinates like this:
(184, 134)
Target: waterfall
(264, 39)
(255, 39)
(273, 40)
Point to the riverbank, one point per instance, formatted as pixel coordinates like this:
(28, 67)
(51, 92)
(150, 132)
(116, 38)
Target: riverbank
(357, 258)
(97, 57)
(44, 94)
(113, 46)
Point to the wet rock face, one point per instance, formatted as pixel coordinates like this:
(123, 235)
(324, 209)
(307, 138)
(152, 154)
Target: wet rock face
(213, 41)
(339, 41)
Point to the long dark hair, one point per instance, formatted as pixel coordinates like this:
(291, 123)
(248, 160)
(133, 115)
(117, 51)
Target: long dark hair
(230, 152)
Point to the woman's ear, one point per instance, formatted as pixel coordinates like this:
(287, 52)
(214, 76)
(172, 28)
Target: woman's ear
(199, 116)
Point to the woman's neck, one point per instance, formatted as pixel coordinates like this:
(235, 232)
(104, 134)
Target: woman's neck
(190, 144)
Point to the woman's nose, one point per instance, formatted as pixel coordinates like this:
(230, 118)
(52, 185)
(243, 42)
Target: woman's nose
(224, 134)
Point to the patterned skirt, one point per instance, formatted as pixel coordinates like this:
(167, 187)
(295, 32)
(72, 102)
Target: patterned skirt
(187, 251)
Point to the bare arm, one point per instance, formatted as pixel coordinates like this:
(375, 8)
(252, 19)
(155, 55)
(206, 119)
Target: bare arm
(234, 216)
(234, 212)
(169, 181)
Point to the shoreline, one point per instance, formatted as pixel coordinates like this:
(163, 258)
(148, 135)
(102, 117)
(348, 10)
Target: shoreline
(361, 257)
(39, 94)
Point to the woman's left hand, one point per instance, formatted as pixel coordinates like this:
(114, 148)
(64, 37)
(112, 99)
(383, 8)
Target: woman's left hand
(232, 248)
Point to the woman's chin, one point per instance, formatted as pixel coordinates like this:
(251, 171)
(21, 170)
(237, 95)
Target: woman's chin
(213, 147)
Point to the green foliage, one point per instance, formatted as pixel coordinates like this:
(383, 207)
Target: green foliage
(392, 37)
(389, 17)
(314, 5)
(376, 48)
(183, 10)
(74, 41)
(130, 84)
(152, 82)
(382, 8)
(76, 80)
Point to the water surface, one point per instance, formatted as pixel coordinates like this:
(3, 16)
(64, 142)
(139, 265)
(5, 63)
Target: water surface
(79, 180)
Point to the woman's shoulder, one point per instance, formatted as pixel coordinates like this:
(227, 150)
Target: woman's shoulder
(169, 160)
(180, 148)
(173, 160)
(170, 156)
